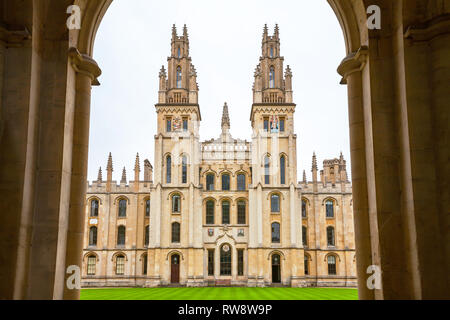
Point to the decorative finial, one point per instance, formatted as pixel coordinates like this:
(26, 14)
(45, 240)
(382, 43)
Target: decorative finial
(137, 167)
(288, 71)
(124, 176)
(109, 166)
(225, 117)
(162, 72)
(185, 32)
(100, 177)
(277, 31)
(314, 162)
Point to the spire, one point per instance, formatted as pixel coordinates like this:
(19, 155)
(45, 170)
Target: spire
(99, 177)
(304, 177)
(162, 72)
(277, 31)
(137, 167)
(109, 166)
(288, 71)
(314, 162)
(185, 33)
(124, 176)
(174, 32)
(265, 32)
(225, 119)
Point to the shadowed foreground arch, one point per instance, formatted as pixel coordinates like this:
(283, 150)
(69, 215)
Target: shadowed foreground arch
(397, 80)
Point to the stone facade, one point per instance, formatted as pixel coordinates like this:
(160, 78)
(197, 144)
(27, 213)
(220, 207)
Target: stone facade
(224, 211)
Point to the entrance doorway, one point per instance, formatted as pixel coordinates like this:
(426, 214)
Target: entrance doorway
(175, 269)
(276, 269)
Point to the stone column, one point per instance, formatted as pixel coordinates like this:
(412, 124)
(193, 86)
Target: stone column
(87, 72)
(351, 70)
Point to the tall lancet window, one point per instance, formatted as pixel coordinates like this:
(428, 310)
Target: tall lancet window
(282, 170)
(184, 169)
(168, 169)
(271, 52)
(179, 52)
(179, 77)
(272, 77)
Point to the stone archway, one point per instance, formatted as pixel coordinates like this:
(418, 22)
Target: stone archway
(398, 135)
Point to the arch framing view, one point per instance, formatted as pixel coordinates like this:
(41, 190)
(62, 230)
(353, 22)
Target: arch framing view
(398, 92)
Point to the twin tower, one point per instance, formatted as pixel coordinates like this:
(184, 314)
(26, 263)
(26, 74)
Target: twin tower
(225, 211)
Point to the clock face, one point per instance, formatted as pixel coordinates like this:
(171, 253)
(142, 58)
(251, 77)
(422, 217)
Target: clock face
(226, 248)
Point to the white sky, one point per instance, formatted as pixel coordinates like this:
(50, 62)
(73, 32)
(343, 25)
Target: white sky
(133, 42)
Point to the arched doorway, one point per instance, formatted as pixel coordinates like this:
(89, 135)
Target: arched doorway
(175, 268)
(276, 268)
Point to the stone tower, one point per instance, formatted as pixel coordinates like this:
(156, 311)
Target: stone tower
(177, 160)
(274, 164)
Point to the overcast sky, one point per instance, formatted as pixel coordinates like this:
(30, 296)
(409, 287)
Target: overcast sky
(133, 42)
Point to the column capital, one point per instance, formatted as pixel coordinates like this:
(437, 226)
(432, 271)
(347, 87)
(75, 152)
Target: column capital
(354, 62)
(85, 65)
(13, 38)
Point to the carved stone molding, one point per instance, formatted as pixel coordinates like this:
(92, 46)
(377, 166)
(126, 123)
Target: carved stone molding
(13, 38)
(354, 62)
(84, 64)
(429, 30)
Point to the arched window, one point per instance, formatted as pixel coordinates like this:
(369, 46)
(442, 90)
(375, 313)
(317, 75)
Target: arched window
(225, 260)
(93, 236)
(210, 182)
(266, 170)
(147, 208)
(306, 262)
(283, 170)
(122, 208)
(121, 235)
(147, 236)
(179, 77)
(275, 203)
(120, 265)
(330, 236)
(184, 169)
(329, 205)
(94, 208)
(272, 77)
(241, 212)
(271, 52)
(210, 212)
(168, 169)
(331, 265)
(275, 232)
(304, 213)
(91, 265)
(305, 236)
(225, 212)
(175, 232)
(176, 203)
(226, 182)
(241, 182)
(144, 263)
(179, 52)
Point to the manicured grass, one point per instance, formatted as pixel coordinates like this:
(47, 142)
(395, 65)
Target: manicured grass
(220, 294)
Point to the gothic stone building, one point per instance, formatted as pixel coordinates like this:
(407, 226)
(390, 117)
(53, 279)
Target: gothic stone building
(224, 211)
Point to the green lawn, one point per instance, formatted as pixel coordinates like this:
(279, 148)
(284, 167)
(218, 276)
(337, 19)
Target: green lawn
(220, 294)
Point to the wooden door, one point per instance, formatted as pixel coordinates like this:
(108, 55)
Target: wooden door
(175, 269)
